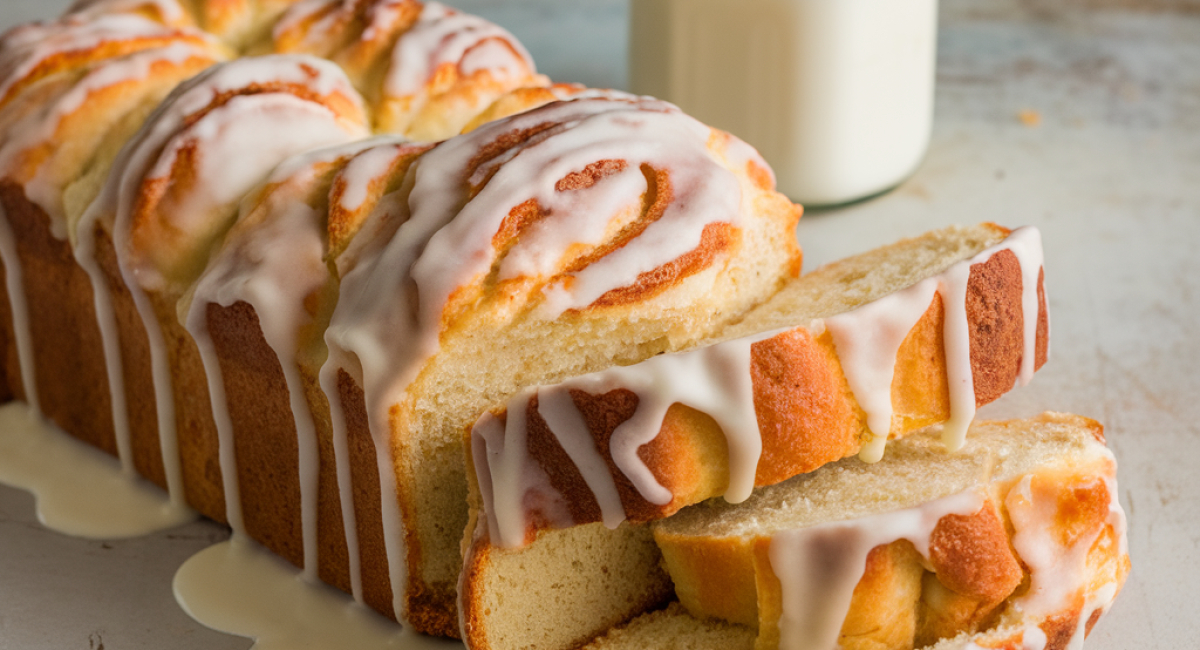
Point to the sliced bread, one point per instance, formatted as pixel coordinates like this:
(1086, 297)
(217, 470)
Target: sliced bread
(939, 324)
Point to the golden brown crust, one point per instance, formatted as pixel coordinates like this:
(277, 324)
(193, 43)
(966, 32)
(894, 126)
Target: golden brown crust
(195, 431)
(364, 472)
(342, 223)
(267, 461)
(71, 376)
(800, 397)
(974, 570)
(135, 368)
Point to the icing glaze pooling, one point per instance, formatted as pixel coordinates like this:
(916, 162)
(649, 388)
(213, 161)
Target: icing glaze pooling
(79, 490)
(239, 588)
(717, 380)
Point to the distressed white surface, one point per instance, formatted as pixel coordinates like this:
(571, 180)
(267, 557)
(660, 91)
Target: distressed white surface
(1111, 175)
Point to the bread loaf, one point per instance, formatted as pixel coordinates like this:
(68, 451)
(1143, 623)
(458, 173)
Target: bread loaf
(207, 345)
(236, 258)
(914, 333)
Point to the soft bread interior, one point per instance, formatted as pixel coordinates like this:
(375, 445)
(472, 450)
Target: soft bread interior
(848, 489)
(855, 281)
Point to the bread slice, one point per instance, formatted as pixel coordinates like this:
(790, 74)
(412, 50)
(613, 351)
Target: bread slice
(1019, 529)
(779, 393)
(550, 243)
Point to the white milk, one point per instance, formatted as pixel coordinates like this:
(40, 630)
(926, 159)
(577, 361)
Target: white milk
(836, 94)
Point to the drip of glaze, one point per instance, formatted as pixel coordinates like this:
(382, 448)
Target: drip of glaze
(715, 379)
(867, 340)
(18, 302)
(272, 266)
(868, 353)
(239, 588)
(1056, 571)
(818, 567)
(393, 527)
(197, 326)
(80, 490)
(114, 364)
(341, 454)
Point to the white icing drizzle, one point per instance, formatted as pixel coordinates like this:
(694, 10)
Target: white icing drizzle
(1058, 573)
(714, 379)
(273, 265)
(819, 566)
(18, 300)
(248, 128)
(114, 363)
(80, 490)
(168, 10)
(346, 342)
(1031, 257)
(867, 340)
(382, 15)
(197, 326)
(717, 380)
(499, 451)
(25, 48)
(379, 425)
(239, 588)
(442, 36)
(341, 454)
(446, 242)
(45, 186)
(361, 171)
(561, 415)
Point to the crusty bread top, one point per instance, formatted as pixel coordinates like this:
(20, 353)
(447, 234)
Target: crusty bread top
(70, 86)
(174, 189)
(884, 294)
(427, 69)
(583, 205)
(240, 23)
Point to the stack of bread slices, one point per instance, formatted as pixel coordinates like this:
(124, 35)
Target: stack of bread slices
(527, 364)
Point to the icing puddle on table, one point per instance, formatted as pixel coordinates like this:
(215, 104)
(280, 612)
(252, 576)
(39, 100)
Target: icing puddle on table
(236, 586)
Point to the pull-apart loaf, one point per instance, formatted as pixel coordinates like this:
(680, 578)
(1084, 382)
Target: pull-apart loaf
(353, 278)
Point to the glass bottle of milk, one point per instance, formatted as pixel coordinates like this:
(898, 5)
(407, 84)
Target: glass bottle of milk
(837, 95)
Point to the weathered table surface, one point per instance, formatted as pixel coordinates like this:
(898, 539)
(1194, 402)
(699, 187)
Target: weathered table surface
(1109, 170)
